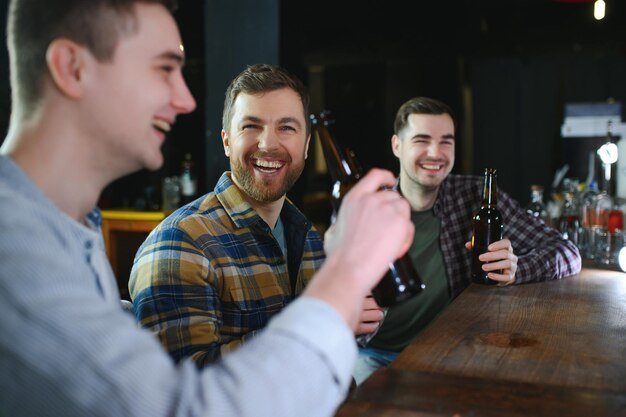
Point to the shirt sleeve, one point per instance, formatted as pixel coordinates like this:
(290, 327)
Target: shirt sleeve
(543, 254)
(71, 353)
(299, 365)
(170, 284)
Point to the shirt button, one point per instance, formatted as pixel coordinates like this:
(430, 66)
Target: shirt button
(88, 244)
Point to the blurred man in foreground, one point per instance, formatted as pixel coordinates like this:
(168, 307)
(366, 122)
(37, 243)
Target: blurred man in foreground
(96, 86)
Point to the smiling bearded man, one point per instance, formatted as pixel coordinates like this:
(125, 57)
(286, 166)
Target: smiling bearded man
(216, 270)
(266, 138)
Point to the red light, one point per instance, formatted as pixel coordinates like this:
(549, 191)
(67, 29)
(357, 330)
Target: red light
(616, 221)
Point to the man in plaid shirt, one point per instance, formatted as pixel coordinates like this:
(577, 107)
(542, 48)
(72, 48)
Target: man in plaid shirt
(215, 271)
(442, 209)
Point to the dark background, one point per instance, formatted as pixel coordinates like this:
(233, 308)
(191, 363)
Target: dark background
(507, 68)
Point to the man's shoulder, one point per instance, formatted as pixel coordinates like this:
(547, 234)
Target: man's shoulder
(456, 183)
(203, 212)
(30, 223)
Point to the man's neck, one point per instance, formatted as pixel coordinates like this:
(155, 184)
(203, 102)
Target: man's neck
(58, 168)
(269, 211)
(420, 198)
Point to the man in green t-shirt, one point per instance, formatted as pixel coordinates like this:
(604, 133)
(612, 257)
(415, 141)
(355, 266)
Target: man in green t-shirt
(442, 209)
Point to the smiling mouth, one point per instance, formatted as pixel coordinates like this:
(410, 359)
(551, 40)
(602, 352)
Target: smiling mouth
(267, 166)
(431, 166)
(161, 125)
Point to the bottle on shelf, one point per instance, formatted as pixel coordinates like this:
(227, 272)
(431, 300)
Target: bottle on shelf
(188, 184)
(601, 207)
(536, 207)
(402, 281)
(170, 194)
(587, 238)
(487, 227)
(586, 200)
(569, 223)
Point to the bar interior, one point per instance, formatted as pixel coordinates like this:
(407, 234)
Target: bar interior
(538, 88)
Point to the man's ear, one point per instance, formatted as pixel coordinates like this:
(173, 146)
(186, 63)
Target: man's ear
(66, 62)
(225, 143)
(395, 145)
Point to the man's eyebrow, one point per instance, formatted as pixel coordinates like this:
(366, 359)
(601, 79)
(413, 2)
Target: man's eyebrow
(427, 136)
(173, 56)
(289, 120)
(249, 118)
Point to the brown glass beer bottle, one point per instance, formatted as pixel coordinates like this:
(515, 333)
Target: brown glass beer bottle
(486, 227)
(402, 281)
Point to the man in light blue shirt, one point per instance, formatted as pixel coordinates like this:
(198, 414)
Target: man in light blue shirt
(96, 86)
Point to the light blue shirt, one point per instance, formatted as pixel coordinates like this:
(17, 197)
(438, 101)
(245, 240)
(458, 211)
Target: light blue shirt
(67, 348)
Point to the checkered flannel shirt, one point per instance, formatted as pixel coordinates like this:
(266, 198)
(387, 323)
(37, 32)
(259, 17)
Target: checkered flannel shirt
(543, 254)
(212, 274)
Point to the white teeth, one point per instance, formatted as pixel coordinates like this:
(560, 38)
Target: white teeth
(426, 166)
(161, 125)
(268, 164)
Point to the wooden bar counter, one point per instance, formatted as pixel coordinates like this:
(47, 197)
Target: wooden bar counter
(554, 348)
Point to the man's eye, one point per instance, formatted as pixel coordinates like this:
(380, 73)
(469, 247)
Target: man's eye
(245, 127)
(167, 68)
(288, 128)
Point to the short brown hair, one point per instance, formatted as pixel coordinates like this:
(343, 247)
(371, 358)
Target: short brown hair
(261, 78)
(32, 25)
(420, 105)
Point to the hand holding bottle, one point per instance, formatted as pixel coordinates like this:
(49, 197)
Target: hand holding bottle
(500, 261)
(401, 281)
(373, 229)
(371, 318)
(389, 233)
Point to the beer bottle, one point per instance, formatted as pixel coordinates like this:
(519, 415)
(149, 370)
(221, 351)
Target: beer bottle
(187, 180)
(486, 227)
(536, 208)
(569, 222)
(402, 281)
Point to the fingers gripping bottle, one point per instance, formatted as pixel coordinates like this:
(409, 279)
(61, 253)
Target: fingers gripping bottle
(402, 281)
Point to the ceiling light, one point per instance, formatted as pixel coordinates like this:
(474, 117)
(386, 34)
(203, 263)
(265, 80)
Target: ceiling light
(599, 9)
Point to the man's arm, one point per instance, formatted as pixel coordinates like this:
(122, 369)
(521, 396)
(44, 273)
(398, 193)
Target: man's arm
(171, 284)
(72, 353)
(372, 314)
(542, 253)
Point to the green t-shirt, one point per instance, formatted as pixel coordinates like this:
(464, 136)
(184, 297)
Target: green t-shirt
(406, 320)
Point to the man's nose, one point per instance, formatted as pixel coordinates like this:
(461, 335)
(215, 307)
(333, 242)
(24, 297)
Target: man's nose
(433, 149)
(182, 99)
(267, 140)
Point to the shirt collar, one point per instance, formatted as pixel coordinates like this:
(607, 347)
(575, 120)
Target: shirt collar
(439, 205)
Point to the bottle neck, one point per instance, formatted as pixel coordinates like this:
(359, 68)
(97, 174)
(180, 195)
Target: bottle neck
(490, 193)
(341, 164)
(537, 196)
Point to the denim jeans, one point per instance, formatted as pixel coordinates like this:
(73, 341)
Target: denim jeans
(369, 360)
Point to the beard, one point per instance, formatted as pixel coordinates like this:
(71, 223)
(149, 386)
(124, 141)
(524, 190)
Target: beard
(265, 190)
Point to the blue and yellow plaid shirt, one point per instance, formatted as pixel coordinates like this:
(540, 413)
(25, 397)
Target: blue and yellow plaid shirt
(212, 274)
